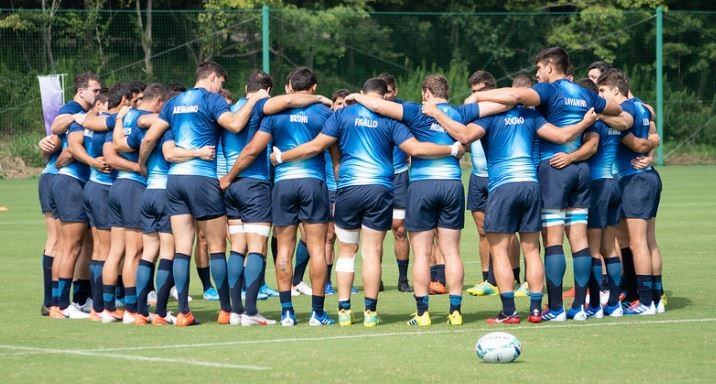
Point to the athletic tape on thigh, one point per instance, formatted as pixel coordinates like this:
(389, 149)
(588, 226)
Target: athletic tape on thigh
(398, 214)
(576, 216)
(552, 217)
(236, 228)
(346, 264)
(346, 236)
(259, 229)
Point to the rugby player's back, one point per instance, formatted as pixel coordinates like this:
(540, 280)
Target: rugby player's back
(601, 163)
(640, 129)
(234, 143)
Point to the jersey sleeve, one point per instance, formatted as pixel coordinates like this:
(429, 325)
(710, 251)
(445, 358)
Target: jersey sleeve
(545, 92)
(411, 113)
(598, 102)
(468, 112)
(259, 108)
(74, 127)
(628, 108)
(401, 133)
(332, 126)
(217, 105)
(134, 140)
(70, 109)
(111, 121)
(166, 112)
(108, 136)
(267, 125)
(484, 122)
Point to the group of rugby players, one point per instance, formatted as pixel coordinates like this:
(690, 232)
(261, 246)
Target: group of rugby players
(157, 171)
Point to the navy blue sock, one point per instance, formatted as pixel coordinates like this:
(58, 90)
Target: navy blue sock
(181, 280)
(421, 302)
(109, 292)
(595, 280)
(403, 269)
(582, 264)
(301, 262)
(285, 298)
(658, 288)
(64, 286)
(120, 288)
(604, 282)
(217, 261)
(508, 303)
(536, 302)
(614, 278)
(144, 276)
(75, 291)
(84, 292)
(47, 279)
(440, 273)
(130, 299)
(150, 284)
(329, 269)
(344, 304)
(370, 304)
(317, 303)
(205, 277)
(485, 275)
(516, 274)
(455, 303)
(96, 279)
(55, 293)
(554, 267)
(235, 271)
(274, 248)
(491, 273)
(629, 283)
(433, 273)
(164, 285)
(646, 287)
(252, 274)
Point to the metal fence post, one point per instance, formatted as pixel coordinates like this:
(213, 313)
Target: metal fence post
(660, 82)
(265, 38)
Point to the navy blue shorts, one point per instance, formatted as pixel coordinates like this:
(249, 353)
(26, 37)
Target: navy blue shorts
(435, 203)
(606, 200)
(249, 200)
(477, 193)
(125, 200)
(564, 188)
(153, 211)
(331, 204)
(68, 195)
(514, 207)
(199, 196)
(299, 200)
(364, 205)
(96, 204)
(401, 181)
(44, 188)
(641, 194)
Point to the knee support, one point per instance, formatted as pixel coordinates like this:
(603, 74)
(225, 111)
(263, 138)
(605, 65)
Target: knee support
(345, 264)
(398, 214)
(552, 217)
(576, 216)
(346, 236)
(259, 229)
(236, 228)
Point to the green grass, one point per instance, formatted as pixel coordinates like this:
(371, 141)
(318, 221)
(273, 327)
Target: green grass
(677, 346)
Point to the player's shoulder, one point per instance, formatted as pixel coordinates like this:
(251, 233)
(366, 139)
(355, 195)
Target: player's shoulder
(239, 104)
(71, 108)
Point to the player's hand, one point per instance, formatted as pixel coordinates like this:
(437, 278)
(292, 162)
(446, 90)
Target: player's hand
(353, 97)
(80, 118)
(100, 164)
(590, 117)
(655, 139)
(207, 152)
(224, 182)
(429, 108)
(276, 156)
(561, 160)
(274, 162)
(142, 169)
(326, 101)
(47, 144)
(122, 112)
(461, 152)
(642, 162)
(260, 94)
(473, 98)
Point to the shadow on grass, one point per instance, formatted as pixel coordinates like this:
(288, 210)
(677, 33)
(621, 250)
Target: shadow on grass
(677, 302)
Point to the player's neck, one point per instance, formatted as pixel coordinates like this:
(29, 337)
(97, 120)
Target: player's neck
(620, 98)
(557, 77)
(82, 102)
(438, 100)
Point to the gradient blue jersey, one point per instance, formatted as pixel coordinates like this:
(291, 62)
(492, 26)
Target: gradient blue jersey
(157, 165)
(601, 163)
(76, 168)
(221, 168)
(564, 103)
(135, 135)
(366, 140)
(330, 175)
(400, 158)
(192, 117)
(68, 109)
(291, 128)
(508, 141)
(426, 129)
(94, 143)
(234, 143)
(640, 129)
(477, 157)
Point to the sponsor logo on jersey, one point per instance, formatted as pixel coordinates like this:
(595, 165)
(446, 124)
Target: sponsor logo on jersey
(186, 109)
(299, 118)
(365, 122)
(514, 120)
(575, 102)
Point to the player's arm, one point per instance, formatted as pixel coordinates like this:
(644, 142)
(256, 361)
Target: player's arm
(620, 122)
(612, 108)
(49, 145)
(145, 121)
(303, 151)
(119, 140)
(462, 133)
(425, 150)
(174, 154)
(64, 158)
(246, 157)
(335, 158)
(236, 121)
(488, 108)
(151, 138)
(568, 133)
(93, 121)
(587, 150)
(509, 96)
(75, 142)
(116, 161)
(62, 123)
(277, 104)
(379, 106)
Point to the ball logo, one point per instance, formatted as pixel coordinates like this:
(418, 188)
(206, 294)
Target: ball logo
(498, 347)
(514, 120)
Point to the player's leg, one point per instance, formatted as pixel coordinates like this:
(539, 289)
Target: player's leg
(302, 260)
(73, 237)
(150, 250)
(164, 280)
(642, 259)
(483, 288)
(183, 231)
(372, 251)
(286, 239)
(656, 265)
(515, 262)
(132, 255)
(422, 242)
(576, 230)
(201, 259)
(499, 248)
(316, 243)
(257, 237)
(215, 231)
(449, 242)
(626, 255)
(48, 256)
(348, 241)
(401, 245)
(594, 238)
(235, 264)
(330, 256)
(613, 266)
(110, 274)
(534, 273)
(81, 291)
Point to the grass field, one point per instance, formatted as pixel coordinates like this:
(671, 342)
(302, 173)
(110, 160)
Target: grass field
(677, 346)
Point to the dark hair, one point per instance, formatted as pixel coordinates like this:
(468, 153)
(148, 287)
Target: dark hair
(482, 77)
(259, 80)
(376, 85)
(340, 94)
(137, 86)
(437, 85)
(102, 96)
(226, 94)
(116, 92)
(175, 89)
(83, 79)
(388, 78)
(588, 84)
(615, 78)
(155, 91)
(302, 79)
(602, 66)
(557, 56)
(206, 68)
(522, 81)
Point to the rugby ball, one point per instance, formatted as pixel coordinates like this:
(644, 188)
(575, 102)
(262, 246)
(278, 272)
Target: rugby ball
(498, 347)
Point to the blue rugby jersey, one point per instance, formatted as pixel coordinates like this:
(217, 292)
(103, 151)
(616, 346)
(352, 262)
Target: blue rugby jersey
(291, 128)
(94, 142)
(640, 129)
(69, 108)
(565, 103)
(157, 165)
(76, 169)
(602, 162)
(426, 129)
(134, 135)
(330, 175)
(478, 160)
(234, 143)
(192, 117)
(366, 140)
(508, 142)
(400, 158)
